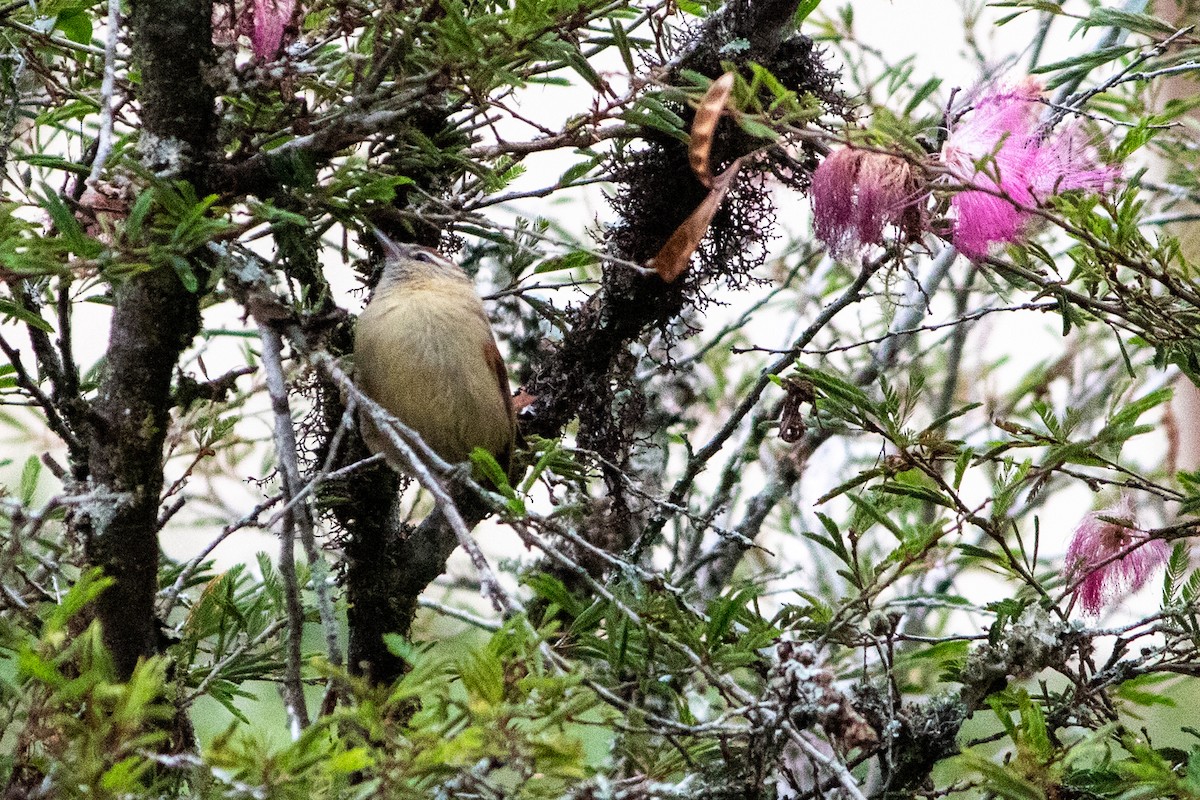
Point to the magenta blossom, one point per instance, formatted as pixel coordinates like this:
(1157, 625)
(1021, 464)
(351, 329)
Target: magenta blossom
(1003, 149)
(1096, 541)
(271, 17)
(856, 192)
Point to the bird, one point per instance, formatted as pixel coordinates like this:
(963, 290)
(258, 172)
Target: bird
(424, 350)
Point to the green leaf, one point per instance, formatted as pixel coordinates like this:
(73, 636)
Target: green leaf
(137, 216)
(380, 190)
(69, 230)
(650, 112)
(756, 128)
(872, 510)
(1082, 64)
(577, 171)
(54, 162)
(974, 551)
(803, 10)
(621, 41)
(1192, 778)
(1001, 780)
(483, 676)
(11, 310)
(724, 610)
(832, 542)
(30, 474)
(1137, 23)
(918, 492)
(960, 466)
(76, 25)
(269, 212)
(1033, 721)
(1135, 691)
(1130, 412)
(552, 589)
(692, 7)
(845, 486)
(124, 776)
(922, 94)
(578, 259)
(350, 761)
(32, 665)
(576, 61)
(187, 276)
(1176, 567)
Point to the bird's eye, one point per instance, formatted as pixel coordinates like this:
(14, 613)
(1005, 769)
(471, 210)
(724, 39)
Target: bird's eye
(424, 256)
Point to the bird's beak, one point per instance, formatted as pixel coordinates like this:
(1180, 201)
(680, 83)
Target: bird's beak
(391, 250)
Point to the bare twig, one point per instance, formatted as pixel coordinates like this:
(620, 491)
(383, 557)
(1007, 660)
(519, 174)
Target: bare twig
(285, 447)
(104, 136)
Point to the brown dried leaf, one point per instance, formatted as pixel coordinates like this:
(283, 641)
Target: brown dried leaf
(523, 399)
(705, 124)
(674, 256)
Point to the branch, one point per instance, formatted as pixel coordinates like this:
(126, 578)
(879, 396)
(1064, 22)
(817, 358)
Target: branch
(48, 406)
(104, 136)
(285, 449)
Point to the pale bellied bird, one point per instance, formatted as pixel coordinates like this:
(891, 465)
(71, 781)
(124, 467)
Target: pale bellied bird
(424, 350)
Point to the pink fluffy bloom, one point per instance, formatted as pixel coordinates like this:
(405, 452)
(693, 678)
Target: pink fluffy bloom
(855, 193)
(1096, 541)
(1002, 148)
(270, 19)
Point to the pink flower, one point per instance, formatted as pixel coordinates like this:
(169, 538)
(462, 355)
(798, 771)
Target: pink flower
(856, 192)
(1003, 149)
(271, 17)
(1096, 541)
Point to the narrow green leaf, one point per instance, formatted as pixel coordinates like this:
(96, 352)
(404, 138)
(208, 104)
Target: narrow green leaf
(187, 275)
(54, 162)
(69, 229)
(922, 94)
(30, 474)
(9, 309)
(137, 216)
(1137, 23)
(621, 41)
(803, 10)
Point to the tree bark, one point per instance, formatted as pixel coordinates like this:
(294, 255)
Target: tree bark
(154, 318)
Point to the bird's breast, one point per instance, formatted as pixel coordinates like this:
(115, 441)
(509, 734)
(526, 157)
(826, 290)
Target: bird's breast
(422, 353)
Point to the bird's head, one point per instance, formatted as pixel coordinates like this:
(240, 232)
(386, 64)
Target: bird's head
(407, 262)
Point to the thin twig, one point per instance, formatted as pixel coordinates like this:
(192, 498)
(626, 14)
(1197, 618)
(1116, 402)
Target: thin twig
(57, 41)
(104, 135)
(285, 444)
(215, 671)
(301, 513)
(48, 407)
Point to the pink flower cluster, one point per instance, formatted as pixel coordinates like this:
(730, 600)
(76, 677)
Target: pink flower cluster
(1002, 149)
(264, 21)
(856, 192)
(1002, 155)
(270, 19)
(1096, 541)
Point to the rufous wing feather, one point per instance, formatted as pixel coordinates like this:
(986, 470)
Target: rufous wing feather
(491, 355)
